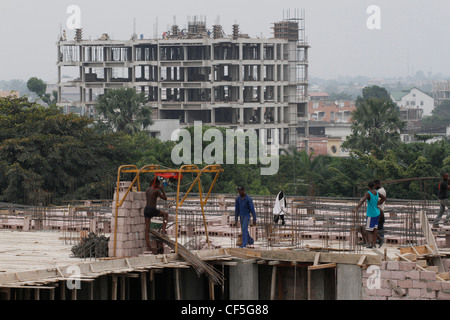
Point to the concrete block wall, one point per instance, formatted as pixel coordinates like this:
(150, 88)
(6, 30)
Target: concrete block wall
(415, 284)
(130, 233)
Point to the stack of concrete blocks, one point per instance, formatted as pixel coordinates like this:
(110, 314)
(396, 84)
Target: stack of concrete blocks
(130, 226)
(400, 280)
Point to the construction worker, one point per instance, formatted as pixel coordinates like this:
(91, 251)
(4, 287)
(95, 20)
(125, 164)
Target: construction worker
(154, 192)
(373, 212)
(279, 209)
(243, 207)
(443, 200)
(381, 206)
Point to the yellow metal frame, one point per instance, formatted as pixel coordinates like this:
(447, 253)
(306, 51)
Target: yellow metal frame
(217, 169)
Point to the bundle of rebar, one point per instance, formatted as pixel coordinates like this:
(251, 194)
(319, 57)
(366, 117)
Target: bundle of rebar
(92, 246)
(200, 266)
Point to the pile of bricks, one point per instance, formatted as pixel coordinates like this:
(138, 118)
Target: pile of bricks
(398, 280)
(129, 238)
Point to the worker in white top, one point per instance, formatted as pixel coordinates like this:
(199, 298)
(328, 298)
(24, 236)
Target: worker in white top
(279, 209)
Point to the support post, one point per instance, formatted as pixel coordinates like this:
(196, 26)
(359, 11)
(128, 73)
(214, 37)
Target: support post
(114, 288)
(144, 286)
(273, 283)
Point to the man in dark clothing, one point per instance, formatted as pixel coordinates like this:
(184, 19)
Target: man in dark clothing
(243, 207)
(154, 192)
(442, 196)
(381, 219)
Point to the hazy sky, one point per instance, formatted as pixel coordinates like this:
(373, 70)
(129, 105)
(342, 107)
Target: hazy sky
(414, 34)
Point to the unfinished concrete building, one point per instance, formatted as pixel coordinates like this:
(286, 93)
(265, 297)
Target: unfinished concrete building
(199, 74)
(316, 255)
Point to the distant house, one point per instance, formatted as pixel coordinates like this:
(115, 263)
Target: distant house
(413, 103)
(318, 96)
(331, 111)
(6, 94)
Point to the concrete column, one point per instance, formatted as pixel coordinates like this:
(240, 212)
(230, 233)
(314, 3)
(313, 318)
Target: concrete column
(348, 282)
(244, 281)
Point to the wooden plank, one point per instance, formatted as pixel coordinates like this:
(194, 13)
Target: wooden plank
(316, 259)
(26, 287)
(444, 275)
(428, 233)
(410, 256)
(396, 288)
(361, 261)
(417, 250)
(322, 266)
(432, 268)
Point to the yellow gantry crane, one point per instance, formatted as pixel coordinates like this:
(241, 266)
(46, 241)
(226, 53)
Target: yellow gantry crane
(177, 174)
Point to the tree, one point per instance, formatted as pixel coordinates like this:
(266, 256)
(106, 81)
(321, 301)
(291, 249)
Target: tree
(125, 110)
(375, 92)
(376, 127)
(45, 154)
(37, 86)
(440, 118)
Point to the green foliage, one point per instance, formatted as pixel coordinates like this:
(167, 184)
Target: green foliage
(37, 86)
(376, 127)
(49, 157)
(440, 118)
(124, 110)
(45, 154)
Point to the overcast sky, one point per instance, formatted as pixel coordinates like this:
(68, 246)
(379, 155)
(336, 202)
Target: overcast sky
(414, 34)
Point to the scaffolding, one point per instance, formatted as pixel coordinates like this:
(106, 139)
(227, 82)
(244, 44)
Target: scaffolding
(178, 175)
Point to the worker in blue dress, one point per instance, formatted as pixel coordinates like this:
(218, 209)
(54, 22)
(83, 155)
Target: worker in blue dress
(243, 208)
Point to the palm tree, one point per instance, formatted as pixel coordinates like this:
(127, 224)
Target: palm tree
(304, 167)
(376, 127)
(125, 110)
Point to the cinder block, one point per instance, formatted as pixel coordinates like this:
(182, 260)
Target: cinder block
(405, 284)
(393, 265)
(135, 212)
(418, 284)
(427, 294)
(376, 298)
(122, 213)
(414, 293)
(443, 295)
(122, 237)
(384, 292)
(434, 285)
(427, 275)
(414, 275)
(407, 266)
(446, 285)
(399, 275)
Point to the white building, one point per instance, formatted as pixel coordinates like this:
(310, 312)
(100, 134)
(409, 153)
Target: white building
(413, 103)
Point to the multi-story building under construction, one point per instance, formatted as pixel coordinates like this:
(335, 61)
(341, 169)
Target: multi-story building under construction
(199, 74)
